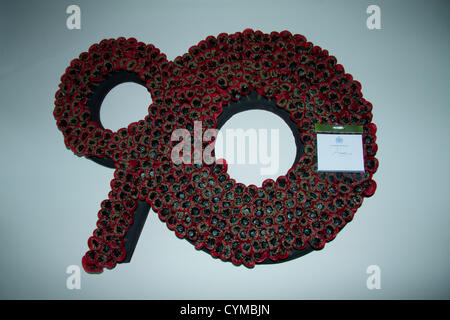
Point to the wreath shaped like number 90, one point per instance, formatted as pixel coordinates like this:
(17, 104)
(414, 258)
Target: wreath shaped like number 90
(284, 73)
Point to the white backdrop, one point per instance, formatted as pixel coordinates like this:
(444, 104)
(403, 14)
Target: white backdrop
(50, 198)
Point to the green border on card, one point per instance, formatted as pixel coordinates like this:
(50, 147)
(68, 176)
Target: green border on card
(338, 128)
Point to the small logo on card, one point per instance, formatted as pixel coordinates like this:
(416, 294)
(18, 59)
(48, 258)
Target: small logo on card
(339, 140)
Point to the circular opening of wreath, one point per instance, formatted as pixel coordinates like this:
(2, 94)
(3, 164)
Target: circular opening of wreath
(257, 145)
(125, 103)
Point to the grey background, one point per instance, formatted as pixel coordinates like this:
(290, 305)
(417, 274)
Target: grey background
(50, 198)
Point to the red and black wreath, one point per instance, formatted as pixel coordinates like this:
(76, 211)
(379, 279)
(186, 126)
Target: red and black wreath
(218, 77)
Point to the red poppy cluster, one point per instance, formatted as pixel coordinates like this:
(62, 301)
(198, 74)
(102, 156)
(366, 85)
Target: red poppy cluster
(199, 202)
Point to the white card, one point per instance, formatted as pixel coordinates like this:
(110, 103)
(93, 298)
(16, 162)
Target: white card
(340, 152)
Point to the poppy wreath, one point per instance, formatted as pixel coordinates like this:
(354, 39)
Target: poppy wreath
(284, 218)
